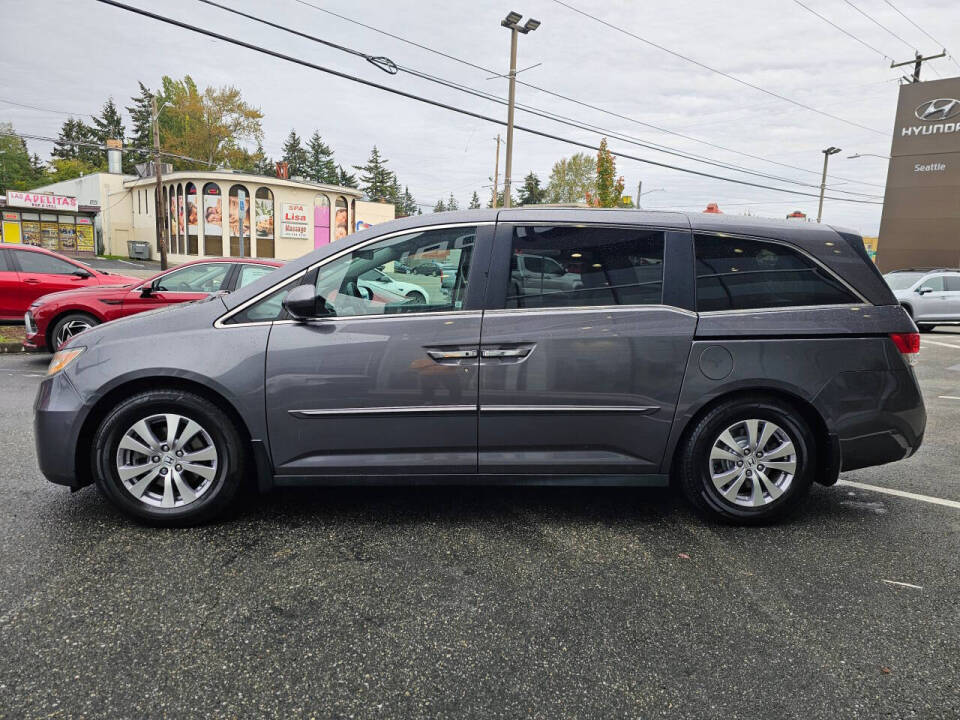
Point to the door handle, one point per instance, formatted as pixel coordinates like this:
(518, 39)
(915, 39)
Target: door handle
(451, 354)
(32, 281)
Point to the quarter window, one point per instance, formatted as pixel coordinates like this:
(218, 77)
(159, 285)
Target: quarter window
(737, 274)
(566, 266)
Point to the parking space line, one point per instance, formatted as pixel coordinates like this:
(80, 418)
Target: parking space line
(943, 344)
(901, 493)
(948, 397)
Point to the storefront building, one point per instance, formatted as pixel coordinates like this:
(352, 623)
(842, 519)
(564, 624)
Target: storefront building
(223, 213)
(55, 222)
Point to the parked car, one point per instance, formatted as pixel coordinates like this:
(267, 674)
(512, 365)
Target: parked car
(376, 279)
(27, 272)
(433, 268)
(55, 318)
(931, 296)
(535, 275)
(743, 359)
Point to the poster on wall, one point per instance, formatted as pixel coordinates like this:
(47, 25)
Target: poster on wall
(341, 229)
(84, 235)
(234, 213)
(181, 216)
(48, 235)
(212, 215)
(31, 232)
(173, 214)
(294, 223)
(264, 209)
(68, 237)
(192, 216)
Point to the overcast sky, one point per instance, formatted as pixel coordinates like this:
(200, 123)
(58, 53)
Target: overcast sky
(69, 55)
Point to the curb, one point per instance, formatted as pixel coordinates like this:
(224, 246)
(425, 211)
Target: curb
(11, 347)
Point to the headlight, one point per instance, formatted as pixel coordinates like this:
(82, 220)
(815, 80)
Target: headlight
(63, 358)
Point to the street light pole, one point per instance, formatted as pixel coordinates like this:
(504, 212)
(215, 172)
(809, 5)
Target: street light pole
(823, 181)
(512, 23)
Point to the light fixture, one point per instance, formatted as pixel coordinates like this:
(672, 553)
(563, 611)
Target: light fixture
(511, 19)
(597, 265)
(531, 25)
(576, 255)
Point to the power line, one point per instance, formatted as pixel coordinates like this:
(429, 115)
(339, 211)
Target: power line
(567, 98)
(532, 110)
(845, 32)
(446, 106)
(80, 143)
(718, 72)
(879, 24)
(49, 110)
(901, 13)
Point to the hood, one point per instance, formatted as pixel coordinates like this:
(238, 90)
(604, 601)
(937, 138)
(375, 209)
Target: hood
(102, 290)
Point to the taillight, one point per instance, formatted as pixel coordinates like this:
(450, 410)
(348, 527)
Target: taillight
(908, 344)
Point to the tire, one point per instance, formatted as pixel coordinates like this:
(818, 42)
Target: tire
(162, 501)
(783, 491)
(69, 325)
(925, 328)
(416, 298)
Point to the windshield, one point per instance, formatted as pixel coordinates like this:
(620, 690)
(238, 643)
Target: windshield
(902, 280)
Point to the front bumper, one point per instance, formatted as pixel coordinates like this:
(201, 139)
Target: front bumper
(57, 417)
(34, 339)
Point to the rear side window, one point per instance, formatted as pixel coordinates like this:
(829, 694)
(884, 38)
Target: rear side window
(736, 274)
(3, 261)
(569, 266)
(952, 283)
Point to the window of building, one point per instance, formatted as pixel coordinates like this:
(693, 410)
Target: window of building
(181, 221)
(139, 210)
(192, 212)
(212, 220)
(235, 238)
(263, 207)
(737, 274)
(165, 208)
(321, 220)
(569, 266)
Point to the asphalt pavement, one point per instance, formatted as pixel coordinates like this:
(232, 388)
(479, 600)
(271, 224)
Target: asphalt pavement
(485, 602)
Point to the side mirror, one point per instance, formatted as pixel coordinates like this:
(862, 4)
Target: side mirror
(925, 289)
(146, 290)
(82, 274)
(303, 303)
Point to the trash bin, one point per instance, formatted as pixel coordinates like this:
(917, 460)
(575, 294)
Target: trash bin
(138, 249)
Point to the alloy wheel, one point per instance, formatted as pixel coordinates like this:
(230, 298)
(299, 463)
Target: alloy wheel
(166, 460)
(69, 329)
(753, 462)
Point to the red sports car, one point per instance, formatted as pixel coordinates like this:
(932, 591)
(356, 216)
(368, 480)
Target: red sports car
(28, 272)
(54, 319)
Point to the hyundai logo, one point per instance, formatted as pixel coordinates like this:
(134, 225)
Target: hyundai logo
(939, 109)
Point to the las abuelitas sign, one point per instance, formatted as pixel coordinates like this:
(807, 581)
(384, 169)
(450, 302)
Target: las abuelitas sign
(41, 201)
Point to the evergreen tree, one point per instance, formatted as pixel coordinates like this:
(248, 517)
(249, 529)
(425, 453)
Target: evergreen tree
(346, 179)
(76, 141)
(474, 201)
(375, 180)
(294, 155)
(263, 165)
(439, 207)
(396, 197)
(18, 170)
(141, 135)
(410, 206)
(109, 125)
(320, 165)
(513, 200)
(452, 203)
(530, 192)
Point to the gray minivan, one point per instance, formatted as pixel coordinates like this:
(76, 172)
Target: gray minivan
(740, 359)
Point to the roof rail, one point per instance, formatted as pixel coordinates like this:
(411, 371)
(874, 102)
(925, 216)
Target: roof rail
(927, 269)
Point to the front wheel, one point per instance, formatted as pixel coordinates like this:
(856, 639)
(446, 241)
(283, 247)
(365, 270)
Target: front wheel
(68, 326)
(168, 457)
(416, 298)
(748, 461)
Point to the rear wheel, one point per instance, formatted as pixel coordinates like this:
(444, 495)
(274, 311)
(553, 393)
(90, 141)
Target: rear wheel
(749, 460)
(68, 326)
(168, 457)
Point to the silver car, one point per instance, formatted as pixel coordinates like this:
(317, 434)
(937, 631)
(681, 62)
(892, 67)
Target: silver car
(931, 296)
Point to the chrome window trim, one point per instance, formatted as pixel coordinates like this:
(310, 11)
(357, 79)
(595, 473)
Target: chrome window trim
(786, 308)
(314, 413)
(590, 308)
(641, 409)
(760, 238)
(220, 321)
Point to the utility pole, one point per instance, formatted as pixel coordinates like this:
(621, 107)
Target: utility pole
(161, 239)
(512, 23)
(823, 181)
(496, 174)
(917, 62)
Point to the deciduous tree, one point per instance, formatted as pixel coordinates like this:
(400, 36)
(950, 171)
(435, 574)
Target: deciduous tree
(609, 188)
(571, 179)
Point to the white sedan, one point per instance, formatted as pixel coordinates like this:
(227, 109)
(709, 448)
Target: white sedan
(376, 280)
